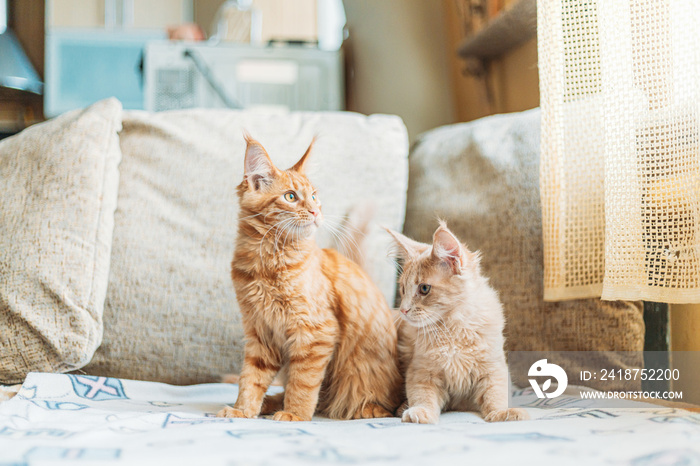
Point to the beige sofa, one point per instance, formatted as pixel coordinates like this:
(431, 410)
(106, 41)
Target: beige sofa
(119, 229)
(115, 245)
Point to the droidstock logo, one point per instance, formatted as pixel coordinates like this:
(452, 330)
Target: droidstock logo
(542, 368)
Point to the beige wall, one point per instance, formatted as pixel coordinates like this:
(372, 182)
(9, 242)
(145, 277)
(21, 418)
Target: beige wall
(75, 13)
(294, 19)
(399, 56)
(151, 14)
(288, 20)
(159, 14)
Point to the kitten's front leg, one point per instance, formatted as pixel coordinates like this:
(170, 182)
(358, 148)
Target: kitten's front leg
(307, 367)
(260, 365)
(426, 397)
(492, 396)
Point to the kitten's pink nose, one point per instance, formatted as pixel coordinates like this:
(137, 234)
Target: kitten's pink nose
(314, 212)
(403, 311)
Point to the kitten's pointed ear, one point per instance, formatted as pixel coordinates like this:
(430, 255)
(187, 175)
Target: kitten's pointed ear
(299, 166)
(408, 248)
(258, 169)
(448, 249)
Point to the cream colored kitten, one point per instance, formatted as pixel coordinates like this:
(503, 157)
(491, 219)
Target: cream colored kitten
(452, 332)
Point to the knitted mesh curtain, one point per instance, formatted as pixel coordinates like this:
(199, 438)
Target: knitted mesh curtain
(620, 170)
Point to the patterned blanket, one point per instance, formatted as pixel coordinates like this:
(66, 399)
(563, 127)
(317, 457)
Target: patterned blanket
(83, 419)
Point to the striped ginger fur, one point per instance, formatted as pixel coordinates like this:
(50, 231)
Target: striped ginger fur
(311, 316)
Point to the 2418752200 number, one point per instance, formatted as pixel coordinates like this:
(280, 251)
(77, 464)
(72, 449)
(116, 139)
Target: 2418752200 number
(639, 374)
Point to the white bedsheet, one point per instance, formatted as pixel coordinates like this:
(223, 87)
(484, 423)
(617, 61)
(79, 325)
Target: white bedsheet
(56, 419)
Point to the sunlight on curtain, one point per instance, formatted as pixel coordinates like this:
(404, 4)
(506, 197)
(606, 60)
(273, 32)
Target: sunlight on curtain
(620, 169)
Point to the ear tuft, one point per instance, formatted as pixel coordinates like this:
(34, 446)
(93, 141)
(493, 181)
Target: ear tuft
(408, 248)
(448, 249)
(258, 168)
(299, 166)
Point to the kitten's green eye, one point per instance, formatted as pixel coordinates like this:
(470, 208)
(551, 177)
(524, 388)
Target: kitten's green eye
(313, 196)
(290, 197)
(423, 289)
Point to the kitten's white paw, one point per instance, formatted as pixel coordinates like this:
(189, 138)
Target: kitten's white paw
(420, 415)
(510, 414)
(401, 409)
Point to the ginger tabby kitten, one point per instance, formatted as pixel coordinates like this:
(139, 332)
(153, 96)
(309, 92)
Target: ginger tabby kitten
(309, 314)
(451, 333)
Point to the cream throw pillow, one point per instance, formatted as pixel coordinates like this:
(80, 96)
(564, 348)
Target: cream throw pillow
(171, 313)
(59, 182)
(482, 178)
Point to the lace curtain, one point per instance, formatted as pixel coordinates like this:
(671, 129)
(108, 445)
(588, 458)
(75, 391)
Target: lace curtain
(620, 170)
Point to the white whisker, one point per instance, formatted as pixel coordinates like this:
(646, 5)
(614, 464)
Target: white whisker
(346, 242)
(249, 216)
(262, 240)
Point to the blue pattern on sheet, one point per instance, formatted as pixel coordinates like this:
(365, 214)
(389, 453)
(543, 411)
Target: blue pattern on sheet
(524, 437)
(67, 418)
(97, 388)
(64, 405)
(83, 454)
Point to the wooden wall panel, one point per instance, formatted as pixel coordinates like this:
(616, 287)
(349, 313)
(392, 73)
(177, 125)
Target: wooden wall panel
(18, 109)
(510, 83)
(205, 12)
(685, 336)
(27, 20)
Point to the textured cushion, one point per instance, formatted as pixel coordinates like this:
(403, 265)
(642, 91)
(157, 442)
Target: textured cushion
(171, 314)
(59, 185)
(483, 179)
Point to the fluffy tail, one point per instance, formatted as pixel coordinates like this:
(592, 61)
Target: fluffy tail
(355, 229)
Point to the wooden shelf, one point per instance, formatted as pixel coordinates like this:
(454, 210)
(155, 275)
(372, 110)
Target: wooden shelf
(505, 32)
